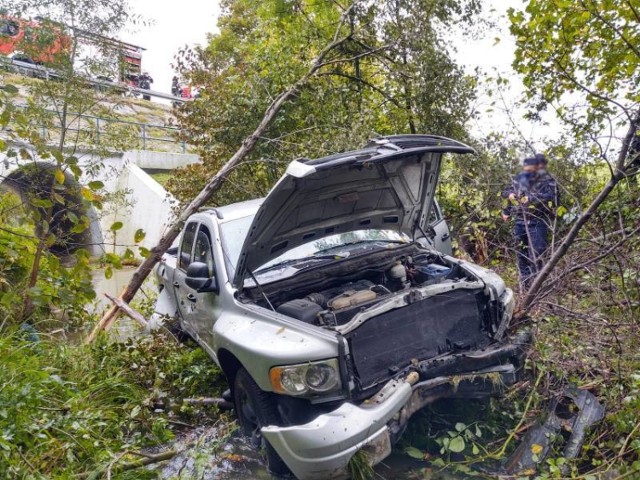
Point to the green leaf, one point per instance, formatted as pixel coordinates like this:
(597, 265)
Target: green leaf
(108, 273)
(10, 89)
(456, 445)
(77, 171)
(139, 235)
(144, 252)
(116, 226)
(50, 240)
(460, 427)
(413, 452)
(96, 185)
(475, 450)
(72, 217)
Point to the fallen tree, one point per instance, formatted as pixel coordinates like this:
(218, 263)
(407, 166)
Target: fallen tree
(220, 177)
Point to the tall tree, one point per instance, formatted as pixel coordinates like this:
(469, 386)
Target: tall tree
(328, 56)
(412, 85)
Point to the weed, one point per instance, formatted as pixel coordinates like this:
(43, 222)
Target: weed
(359, 467)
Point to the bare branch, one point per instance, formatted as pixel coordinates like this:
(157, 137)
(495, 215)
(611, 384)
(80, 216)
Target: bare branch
(619, 174)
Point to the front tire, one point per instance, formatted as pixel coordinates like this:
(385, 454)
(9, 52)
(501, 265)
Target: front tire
(256, 408)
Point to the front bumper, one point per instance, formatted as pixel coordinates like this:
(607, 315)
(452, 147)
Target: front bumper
(323, 447)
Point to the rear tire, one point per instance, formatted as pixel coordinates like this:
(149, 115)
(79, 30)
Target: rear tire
(256, 408)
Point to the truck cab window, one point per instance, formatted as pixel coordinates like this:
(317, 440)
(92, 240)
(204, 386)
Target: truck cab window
(186, 245)
(202, 252)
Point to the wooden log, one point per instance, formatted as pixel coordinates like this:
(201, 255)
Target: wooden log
(128, 311)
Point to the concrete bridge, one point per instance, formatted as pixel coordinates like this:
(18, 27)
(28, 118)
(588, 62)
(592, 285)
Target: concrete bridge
(133, 196)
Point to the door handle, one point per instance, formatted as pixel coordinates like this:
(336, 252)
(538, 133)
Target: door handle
(191, 297)
(176, 284)
(445, 237)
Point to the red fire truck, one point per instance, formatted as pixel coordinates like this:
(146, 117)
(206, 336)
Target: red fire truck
(39, 41)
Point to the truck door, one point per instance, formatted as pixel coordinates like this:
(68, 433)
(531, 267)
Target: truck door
(442, 238)
(438, 233)
(183, 293)
(206, 304)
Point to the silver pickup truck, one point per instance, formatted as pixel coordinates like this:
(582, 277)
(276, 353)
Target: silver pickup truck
(334, 308)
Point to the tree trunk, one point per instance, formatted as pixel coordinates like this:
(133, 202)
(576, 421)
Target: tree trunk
(27, 308)
(620, 172)
(215, 183)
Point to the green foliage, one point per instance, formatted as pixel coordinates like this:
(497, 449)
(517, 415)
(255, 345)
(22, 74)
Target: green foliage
(40, 149)
(63, 288)
(70, 410)
(571, 50)
(359, 468)
(264, 47)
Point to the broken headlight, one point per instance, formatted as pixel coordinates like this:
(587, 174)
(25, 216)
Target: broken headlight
(307, 378)
(508, 305)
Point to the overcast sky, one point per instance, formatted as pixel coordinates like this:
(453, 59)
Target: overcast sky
(173, 25)
(187, 22)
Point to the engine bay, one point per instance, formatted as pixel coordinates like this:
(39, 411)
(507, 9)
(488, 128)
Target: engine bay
(355, 285)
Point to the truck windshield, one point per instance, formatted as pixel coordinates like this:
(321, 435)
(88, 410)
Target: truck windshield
(234, 232)
(336, 246)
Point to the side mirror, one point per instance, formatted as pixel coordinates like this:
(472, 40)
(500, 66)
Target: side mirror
(198, 278)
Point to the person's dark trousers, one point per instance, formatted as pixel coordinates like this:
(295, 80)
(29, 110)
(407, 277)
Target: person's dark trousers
(531, 243)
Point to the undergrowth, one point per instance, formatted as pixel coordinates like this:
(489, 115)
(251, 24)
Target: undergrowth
(69, 411)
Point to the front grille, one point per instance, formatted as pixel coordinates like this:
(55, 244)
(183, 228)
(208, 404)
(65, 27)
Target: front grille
(449, 322)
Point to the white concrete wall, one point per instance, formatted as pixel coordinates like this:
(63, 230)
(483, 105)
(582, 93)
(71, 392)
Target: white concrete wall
(151, 210)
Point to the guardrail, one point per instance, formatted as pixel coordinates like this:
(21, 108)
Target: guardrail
(93, 127)
(144, 136)
(45, 73)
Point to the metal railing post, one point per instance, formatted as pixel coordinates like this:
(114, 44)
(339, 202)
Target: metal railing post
(105, 121)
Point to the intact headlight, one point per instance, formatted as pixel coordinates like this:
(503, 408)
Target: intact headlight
(307, 378)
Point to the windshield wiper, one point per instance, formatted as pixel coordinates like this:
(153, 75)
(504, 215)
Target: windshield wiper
(356, 242)
(295, 261)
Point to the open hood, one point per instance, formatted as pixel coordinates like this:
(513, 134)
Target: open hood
(387, 185)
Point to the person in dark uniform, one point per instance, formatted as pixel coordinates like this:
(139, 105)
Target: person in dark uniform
(144, 82)
(532, 199)
(176, 91)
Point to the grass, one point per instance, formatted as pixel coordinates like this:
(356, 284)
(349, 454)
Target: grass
(70, 410)
(359, 467)
(161, 177)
